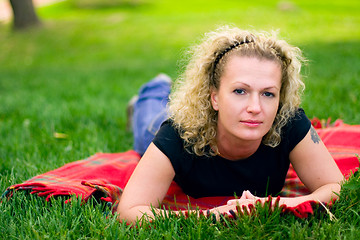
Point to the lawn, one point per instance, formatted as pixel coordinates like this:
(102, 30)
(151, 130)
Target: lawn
(75, 74)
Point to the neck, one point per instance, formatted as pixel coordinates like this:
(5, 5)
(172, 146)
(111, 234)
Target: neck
(237, 151)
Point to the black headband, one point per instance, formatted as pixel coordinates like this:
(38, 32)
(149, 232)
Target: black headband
(221, 55)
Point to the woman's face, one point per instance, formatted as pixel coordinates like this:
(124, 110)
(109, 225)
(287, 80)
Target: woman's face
(247, 99)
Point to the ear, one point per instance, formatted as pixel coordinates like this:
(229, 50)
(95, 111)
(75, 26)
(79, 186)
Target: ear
(214, 99)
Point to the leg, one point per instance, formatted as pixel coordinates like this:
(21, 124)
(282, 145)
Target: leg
(150, 111)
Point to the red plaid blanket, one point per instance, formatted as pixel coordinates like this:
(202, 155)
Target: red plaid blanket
(342, 141)
(107, 174)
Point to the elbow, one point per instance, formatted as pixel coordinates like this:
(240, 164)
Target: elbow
(336, 186)
(336, 189)
(120, 214)
(128, 214)
(329, 192)
(123, 214)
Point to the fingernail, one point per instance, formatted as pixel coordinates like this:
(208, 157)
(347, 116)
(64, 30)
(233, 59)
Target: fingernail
(233, 214)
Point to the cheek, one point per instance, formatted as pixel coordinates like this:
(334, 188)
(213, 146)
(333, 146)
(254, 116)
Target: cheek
(274, 112)
(271, 108)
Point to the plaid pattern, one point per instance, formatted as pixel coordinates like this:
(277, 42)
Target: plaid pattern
(107, 174)
(80, 177)
(342, 141)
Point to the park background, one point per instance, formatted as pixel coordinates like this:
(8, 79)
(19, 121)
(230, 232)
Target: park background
(65, 84)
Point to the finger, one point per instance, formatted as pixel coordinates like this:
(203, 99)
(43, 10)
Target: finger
(243, 195)
(232, 214)
(245, 210)
(242, 201)
(213, 215)
(235, 201)
(232, 202)
(249, 195)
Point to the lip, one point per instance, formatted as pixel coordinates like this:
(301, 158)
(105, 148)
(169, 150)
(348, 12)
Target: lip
(251, 123)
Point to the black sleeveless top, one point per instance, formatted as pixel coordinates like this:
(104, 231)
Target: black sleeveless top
(263, 173)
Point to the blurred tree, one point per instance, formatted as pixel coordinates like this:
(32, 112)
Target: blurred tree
(24, 14)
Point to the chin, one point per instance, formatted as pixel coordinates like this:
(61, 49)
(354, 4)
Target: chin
(252, 136)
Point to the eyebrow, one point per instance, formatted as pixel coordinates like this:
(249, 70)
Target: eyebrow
(267, 88)
(271, 87)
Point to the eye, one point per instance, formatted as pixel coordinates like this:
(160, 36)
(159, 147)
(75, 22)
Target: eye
(268, 94)
(239, 91)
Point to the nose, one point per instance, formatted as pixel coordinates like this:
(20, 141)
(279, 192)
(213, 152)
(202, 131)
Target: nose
(254, 105)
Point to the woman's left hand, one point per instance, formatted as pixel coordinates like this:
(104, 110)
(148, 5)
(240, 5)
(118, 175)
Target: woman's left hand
(245, 204)
(247, 195)
(288, 202)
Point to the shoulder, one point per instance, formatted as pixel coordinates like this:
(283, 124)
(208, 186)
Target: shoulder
(167, 133)
(168, 141)
(296, 128)
(298, 118)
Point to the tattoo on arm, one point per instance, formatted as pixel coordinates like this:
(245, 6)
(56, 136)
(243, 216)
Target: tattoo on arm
(314, 136)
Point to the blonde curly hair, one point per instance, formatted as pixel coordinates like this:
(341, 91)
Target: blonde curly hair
(190, 103)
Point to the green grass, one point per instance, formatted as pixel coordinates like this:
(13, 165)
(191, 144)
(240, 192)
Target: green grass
(75, 74)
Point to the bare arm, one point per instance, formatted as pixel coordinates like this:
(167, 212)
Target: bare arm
(147, 186)
(316, 168)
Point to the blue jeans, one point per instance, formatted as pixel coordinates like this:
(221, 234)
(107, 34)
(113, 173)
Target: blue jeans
(150, 111)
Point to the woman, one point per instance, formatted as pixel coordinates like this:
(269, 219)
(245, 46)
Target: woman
(235, 126)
